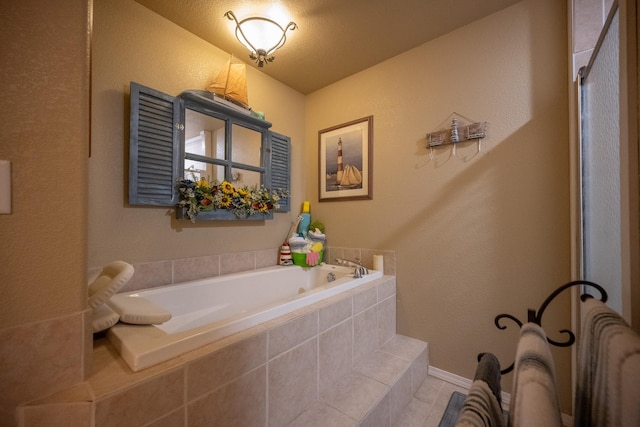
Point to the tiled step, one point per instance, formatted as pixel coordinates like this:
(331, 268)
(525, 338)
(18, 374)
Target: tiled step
(377, 391)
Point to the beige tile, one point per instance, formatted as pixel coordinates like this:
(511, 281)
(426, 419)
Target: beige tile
(429, 391)
(214, 370)
(143, 402)
(195, 268)
(419, 370)
(386, 288)
(389, 262)
(444, 395)
(366, 257)
(386, 320)
(336, 354)
(87, 347)
(438, 392)
(149, 275)
(293, 383)
(79, 393)
(400, 396)
(239, 403)
(49, 351)
(335, 253)
(61, 414)
(356, 395)
(433, 420)
(335, 313)
(383, 367)
(237, 262)
(225, 342)
(379, 415)
(404, 347)
(292, 333)
(320, 414)
(365, 299)
(177, 418)
(267, 257)
(111, 373)
(414, 415)
(353, 254)
(365, 334)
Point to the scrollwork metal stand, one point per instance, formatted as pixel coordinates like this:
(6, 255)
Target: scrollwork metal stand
(536, 316)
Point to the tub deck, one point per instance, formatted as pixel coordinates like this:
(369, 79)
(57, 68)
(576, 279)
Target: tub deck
(249, 299)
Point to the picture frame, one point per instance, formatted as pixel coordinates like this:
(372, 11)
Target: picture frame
(345, 161)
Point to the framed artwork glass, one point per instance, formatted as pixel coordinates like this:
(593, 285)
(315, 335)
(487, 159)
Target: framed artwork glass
(345, 157)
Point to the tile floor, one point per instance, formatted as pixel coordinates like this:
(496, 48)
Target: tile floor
(428, 404)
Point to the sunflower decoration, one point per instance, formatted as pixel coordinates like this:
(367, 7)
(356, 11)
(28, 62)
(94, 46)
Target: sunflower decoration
(202, 195)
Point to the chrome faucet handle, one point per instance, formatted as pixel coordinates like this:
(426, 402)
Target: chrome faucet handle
(359, 272)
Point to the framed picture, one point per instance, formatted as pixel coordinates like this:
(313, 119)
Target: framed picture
(345, 161)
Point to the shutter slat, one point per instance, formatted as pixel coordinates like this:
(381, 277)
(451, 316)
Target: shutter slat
(153, 148)
(281, 166)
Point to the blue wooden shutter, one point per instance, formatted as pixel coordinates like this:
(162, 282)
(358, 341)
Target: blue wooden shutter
(153, 148)
(281, 166)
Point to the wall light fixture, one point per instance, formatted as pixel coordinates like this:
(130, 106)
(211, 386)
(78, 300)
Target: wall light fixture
(262, 36)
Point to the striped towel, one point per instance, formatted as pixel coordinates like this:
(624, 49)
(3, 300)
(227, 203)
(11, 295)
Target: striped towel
(480, 408)
(488, 370)
(608, 384)
(534, 397)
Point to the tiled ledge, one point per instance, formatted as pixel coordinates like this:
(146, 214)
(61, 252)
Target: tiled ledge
(271, 372)
(167, 272)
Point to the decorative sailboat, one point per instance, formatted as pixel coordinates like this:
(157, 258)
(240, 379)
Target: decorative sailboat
(231, 83)
(351, 177)
(347, 176)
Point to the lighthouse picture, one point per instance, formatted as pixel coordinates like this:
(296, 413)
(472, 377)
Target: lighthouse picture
(345, 160)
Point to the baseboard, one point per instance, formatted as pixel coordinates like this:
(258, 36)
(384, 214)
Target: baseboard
(463, 382)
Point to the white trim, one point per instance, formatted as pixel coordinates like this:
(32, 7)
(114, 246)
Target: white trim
(462, 382)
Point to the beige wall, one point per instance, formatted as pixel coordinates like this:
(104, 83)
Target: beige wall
(477, 238)
(46, 139)
(131, 43)
(43, 256)
(473, 238)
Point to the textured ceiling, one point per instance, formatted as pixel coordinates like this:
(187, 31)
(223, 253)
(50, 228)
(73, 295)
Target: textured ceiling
(335, 38)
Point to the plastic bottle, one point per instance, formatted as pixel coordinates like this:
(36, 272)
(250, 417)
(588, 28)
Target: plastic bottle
(305, 220)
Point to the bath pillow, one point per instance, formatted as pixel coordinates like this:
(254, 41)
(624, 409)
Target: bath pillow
(138, 311)
(103, 318)
(110, 280)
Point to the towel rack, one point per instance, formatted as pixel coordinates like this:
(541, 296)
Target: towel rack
(536, 316)
(461, 129)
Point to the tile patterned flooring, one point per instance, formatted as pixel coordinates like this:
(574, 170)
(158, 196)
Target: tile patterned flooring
(428, 404)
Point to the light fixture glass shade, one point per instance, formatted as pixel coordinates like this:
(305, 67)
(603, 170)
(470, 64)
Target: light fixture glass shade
(261, 36)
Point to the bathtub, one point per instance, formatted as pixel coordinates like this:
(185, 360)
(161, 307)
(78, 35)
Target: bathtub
(207, 310)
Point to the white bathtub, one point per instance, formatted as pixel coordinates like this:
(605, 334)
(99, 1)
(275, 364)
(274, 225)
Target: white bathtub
(207, 310)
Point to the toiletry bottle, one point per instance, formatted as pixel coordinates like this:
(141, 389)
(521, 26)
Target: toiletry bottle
(303, 228)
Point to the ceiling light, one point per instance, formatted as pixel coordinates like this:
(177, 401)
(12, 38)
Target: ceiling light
(261, 36)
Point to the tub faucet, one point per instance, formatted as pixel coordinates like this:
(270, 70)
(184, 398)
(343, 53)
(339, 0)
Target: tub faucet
(359, 271)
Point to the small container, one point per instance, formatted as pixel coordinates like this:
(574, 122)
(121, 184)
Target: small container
(301, 259)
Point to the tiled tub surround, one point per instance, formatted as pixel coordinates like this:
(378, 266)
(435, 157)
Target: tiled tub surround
(168, 272)
(45, 363)
(206, 310)
(339, 359)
